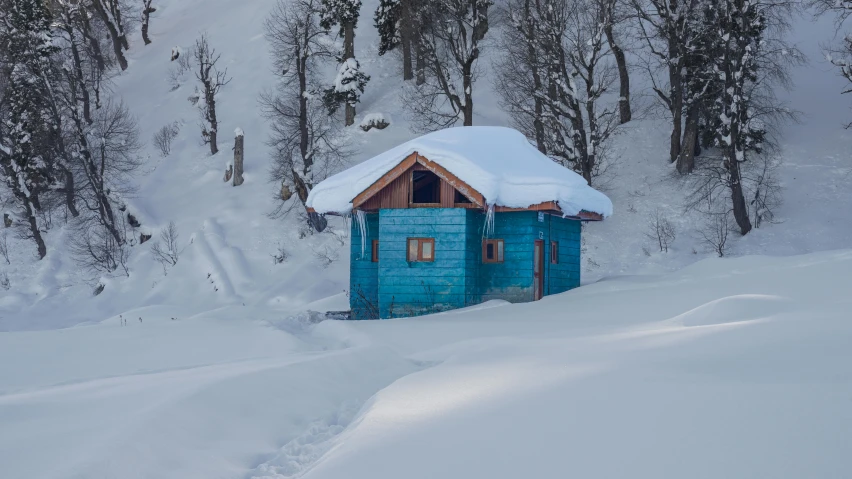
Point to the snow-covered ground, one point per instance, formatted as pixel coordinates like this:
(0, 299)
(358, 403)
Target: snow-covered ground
(670, 364)
(728, 368)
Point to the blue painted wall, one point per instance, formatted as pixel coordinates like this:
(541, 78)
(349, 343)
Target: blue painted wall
(363, 272)
(414, 288)
(565, 274)
(396, 287)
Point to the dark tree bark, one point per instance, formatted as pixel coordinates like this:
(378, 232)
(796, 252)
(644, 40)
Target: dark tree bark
(147, 10)
(686, 158)
(349, 52)
(624, 111)
(212, 81)
(239, 150)
(119, 40)
(675, 102)
(29, 208)
(406, 35)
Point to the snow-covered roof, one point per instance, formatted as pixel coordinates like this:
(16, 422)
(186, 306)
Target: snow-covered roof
(498, 162)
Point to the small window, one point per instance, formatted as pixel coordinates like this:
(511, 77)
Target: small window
(421, 250)
(554, 252)
(492, 251)
(375, 251)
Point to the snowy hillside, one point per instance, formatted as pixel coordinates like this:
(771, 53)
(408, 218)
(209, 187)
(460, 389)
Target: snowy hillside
(228, 241)
(664, 364)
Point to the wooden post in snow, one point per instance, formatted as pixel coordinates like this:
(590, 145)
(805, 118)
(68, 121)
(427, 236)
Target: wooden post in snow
(238, 157)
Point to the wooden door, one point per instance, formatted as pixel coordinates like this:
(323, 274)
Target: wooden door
(538, 270)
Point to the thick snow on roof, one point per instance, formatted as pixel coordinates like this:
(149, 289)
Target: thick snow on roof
(497, 162)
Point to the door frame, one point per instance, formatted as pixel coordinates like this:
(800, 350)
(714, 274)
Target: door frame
(538, 276)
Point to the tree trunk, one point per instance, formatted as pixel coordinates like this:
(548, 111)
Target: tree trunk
(467, 83)
(238, 158)
(146, 18)
(686, 158)
(406, 34)
(34, 231)
(421, 62)
(676, 99)
(349, 52)
(624, 111)
(737, 197)
(538, 106)
(69, 193)
(113, 34)
(213, 134)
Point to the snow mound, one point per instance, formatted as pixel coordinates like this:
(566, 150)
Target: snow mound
(497, 162)
(733, 309)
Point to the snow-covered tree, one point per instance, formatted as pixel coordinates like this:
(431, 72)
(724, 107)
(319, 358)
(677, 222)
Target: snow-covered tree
(349, 84)
(306, 143)
(556, 77)
(666, 28)
(112, 14)
(747, 50)
(350, 80)
(30, 128)
(386, 21)
(451, 35)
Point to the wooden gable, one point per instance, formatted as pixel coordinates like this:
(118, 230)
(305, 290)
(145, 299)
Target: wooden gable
(394, 189)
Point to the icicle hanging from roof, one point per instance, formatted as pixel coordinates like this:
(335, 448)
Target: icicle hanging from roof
(361, 220)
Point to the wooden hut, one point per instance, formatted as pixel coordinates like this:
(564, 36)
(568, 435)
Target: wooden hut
(458, 217)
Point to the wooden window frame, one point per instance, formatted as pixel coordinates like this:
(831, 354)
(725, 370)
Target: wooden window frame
(375, 251)
(420, 243)
(499, 245)
(554, 252)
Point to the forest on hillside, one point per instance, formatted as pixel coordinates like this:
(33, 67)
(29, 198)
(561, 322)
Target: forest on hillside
(564, 71)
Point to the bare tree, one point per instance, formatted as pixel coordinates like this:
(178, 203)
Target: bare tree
(715, 232)
(166, 250)
(451, 35)
(212, 80)
(147, 10)
(164, 137)
(106, 168)
(666, 27)
(95, 249)
(580, 72)
(661, 230)
(521, 72)
(614, 19)
(306, 143)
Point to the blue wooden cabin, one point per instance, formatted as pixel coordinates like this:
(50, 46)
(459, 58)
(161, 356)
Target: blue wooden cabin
(420, 245)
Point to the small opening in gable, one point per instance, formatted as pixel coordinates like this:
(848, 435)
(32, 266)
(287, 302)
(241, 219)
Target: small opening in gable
(426, 187)
(460, 198)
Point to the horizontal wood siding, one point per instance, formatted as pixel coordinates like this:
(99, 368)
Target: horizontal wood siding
(363, 272)
(416, 288)
(457, 277)
(511, 280)
(565, 274)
